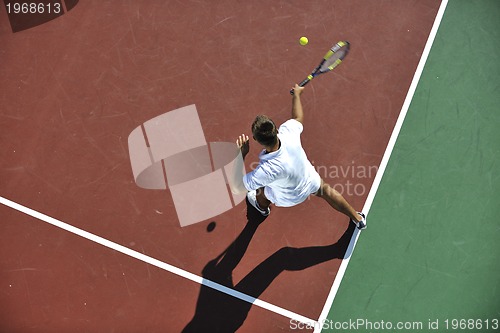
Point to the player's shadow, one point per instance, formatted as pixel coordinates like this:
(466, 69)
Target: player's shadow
(219, 312)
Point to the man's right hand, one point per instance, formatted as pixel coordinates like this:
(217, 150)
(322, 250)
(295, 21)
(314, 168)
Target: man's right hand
(297, 90)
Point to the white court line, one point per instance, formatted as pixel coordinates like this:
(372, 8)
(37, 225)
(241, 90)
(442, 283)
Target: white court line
(155, 262)
(383, 164)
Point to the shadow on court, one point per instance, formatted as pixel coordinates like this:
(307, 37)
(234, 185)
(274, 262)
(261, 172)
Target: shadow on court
(219, 312)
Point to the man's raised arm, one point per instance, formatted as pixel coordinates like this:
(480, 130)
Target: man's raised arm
(297, 112)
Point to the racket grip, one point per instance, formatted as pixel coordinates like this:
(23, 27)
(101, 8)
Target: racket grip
(301, 84)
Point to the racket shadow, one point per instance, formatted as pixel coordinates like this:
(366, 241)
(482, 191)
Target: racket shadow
(218, 312)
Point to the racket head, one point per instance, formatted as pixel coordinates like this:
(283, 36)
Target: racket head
(332, 59)
(334, 56)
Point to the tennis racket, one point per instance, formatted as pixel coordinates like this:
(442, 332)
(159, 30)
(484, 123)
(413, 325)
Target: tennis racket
(332, 59)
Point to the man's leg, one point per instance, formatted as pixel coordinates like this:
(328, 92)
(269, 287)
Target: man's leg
(259, 201)
(262, 200)
(337, 201)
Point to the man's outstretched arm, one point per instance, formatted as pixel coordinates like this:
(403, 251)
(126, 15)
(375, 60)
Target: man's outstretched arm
(236, 176)
(297, 111)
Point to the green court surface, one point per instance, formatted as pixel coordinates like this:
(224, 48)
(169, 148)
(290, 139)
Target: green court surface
(431, 250)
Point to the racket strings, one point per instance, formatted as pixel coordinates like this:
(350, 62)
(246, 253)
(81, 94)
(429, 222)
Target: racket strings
(334, 56)
(331, 63)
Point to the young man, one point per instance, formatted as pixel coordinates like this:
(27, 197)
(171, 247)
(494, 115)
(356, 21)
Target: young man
(284, 176)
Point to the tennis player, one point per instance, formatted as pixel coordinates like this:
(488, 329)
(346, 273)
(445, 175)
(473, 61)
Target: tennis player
(284, 176)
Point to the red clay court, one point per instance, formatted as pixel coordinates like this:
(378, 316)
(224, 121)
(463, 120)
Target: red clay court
(74, 87)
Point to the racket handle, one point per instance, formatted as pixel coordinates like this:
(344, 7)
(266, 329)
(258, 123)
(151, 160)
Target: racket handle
(301, 84)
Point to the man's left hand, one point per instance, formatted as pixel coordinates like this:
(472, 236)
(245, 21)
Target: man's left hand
(243, 144)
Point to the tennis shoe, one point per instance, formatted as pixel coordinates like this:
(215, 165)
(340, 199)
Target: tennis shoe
(361, 224)
(252, 199)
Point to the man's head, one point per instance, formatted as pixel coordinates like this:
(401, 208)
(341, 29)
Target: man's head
(264, 131)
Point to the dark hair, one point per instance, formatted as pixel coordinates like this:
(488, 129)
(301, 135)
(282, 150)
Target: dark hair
(264, 131)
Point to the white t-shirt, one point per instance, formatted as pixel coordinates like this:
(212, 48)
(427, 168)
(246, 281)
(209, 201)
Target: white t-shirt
(287, 175)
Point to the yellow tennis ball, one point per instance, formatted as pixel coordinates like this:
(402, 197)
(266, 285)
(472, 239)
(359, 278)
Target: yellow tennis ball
(303, 40)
